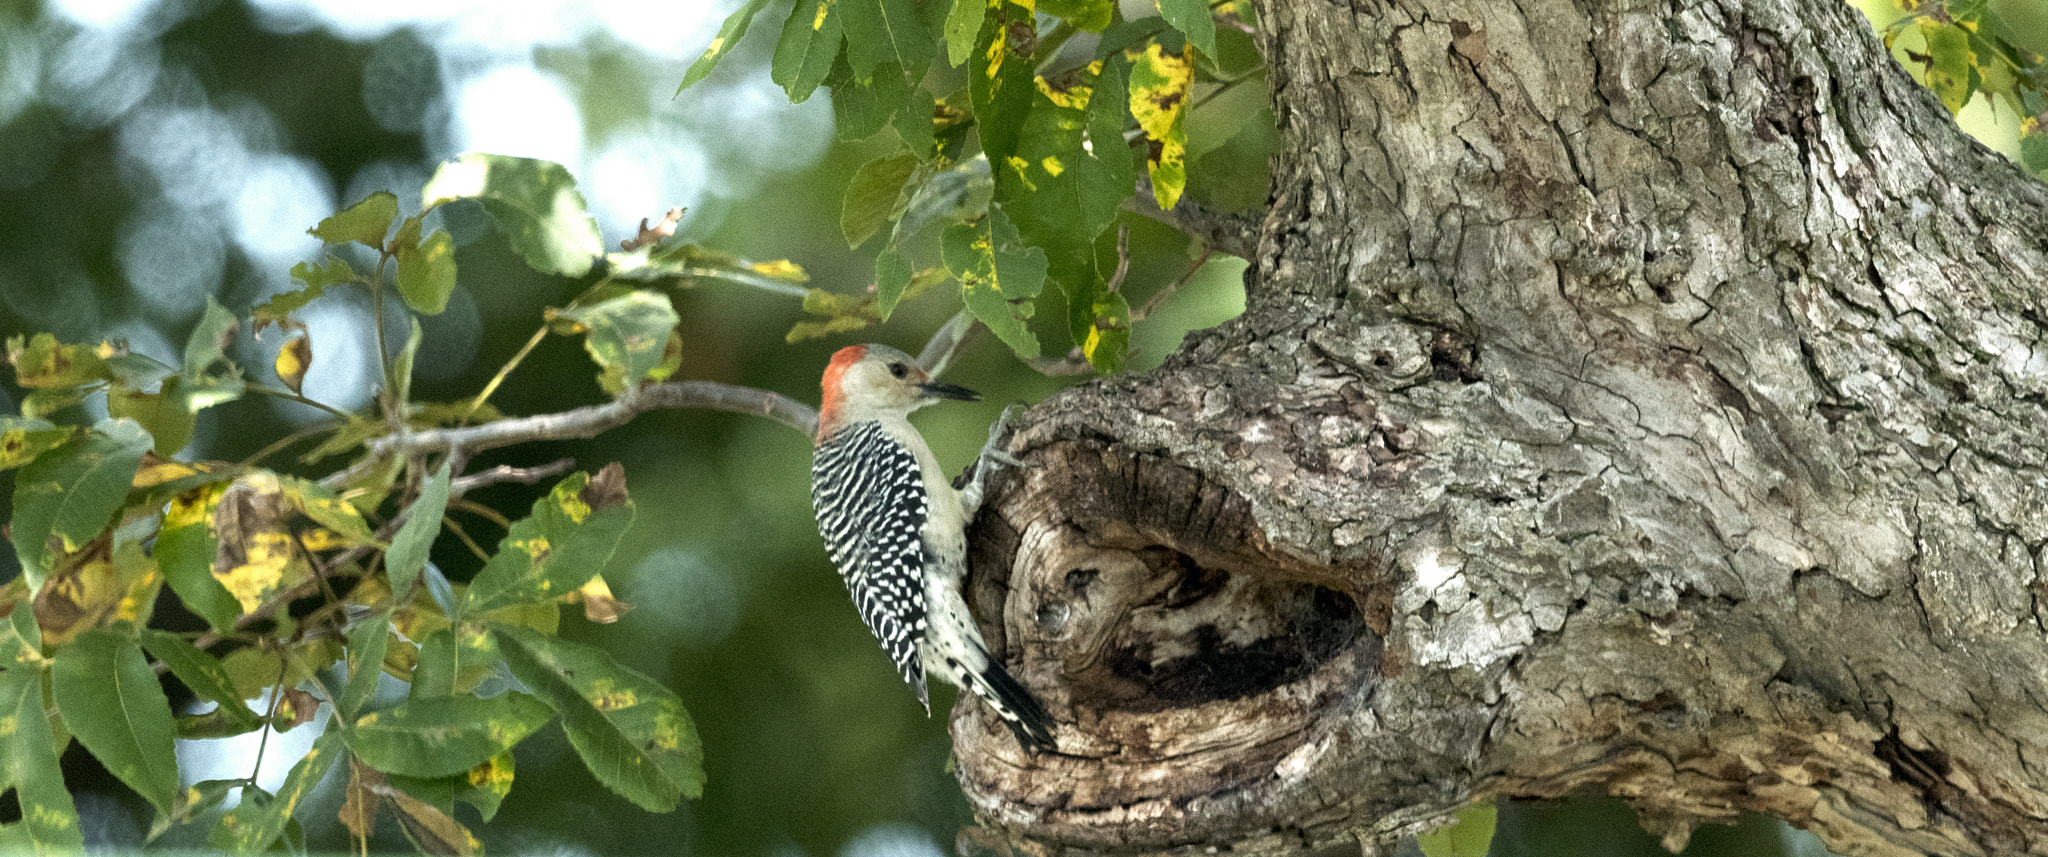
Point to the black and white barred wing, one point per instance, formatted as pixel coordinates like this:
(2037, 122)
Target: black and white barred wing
(869, 498)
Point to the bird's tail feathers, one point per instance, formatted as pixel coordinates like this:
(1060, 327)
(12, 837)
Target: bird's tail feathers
(1014, 706)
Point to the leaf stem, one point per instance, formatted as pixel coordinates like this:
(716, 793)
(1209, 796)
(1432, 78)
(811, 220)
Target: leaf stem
(498, 379)
(392, 410)
(290, 396)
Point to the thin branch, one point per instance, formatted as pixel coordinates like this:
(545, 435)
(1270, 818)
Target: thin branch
(454, 526)
(290, 396)
(508, 473)
(503, 371)
(1055, 367)
(1123, 257)
(1161, 295)
(594, 420)
(1236, 234)
(938, 352)
(747, 278)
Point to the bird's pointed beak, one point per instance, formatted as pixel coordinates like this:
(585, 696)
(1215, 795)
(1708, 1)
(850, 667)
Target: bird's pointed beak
(942, 390)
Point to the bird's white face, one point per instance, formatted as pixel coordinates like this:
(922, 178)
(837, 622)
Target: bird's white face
(886, 380)
(867, 382)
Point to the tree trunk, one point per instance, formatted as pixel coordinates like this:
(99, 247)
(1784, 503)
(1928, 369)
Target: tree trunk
(1634, 398)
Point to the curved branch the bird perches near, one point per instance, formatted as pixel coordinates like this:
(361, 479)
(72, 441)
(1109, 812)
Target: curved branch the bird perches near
(586, 422)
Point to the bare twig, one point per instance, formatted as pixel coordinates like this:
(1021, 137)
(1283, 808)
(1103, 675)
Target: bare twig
(532, 342)
(1123, 257)
(939, 351)
(596, 419)
(1236, 234)
(508, 473)
(1161, 295)
(1058, 367)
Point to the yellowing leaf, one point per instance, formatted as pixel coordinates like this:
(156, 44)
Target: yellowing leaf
(567, 540)
(734, 29)
(1159, 97)
(257, 556)
(41, 362)
(83, 591)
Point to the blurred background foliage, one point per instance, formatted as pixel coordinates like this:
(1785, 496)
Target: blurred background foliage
(155, 152)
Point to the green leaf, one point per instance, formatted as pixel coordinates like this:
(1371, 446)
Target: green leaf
(626, 334)
(882, 32)
(1072, 169)
(734, 29)
(452, 660)
(22, 440)
(426, 273)
(566, 541)
(999, 277)
(914, 124)
(963, 23)
(365, 223)
(534, 202)
(329, 272)
(254, 825)
(415, 538)
(113, 705)
(70, 494)
(162, 414)
(871, 196)
(1000, 81)
(366, 646)
(28, 765)
(1194, 20)
(683, 266)
(1471, 835)
(202, 673)
(861, 105)
(137, 371)
(960, 193)
(809, 43)
(208, 343)
(437, 736)
(401, 368)
(892, 276)
(1086, 15)
(43, 403)
(630, 731)
(185, 550)
(200, 386)
(2034, 152)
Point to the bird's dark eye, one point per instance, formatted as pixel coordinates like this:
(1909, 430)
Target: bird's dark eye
(899, 370)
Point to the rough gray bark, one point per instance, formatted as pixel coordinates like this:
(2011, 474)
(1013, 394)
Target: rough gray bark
(1638, 397)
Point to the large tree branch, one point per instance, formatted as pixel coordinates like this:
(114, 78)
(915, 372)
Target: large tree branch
(1642, 399)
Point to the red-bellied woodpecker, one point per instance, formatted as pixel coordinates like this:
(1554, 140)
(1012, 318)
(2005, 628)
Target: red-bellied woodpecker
(897, 530)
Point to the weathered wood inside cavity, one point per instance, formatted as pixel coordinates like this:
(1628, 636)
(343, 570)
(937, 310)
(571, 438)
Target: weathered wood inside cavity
(1184, 659)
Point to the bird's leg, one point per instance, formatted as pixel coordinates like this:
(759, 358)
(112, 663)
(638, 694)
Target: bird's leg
(992, 458)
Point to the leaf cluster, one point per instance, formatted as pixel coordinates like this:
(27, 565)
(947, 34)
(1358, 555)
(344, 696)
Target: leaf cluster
(1019, 130)
(1963, 49)
(317, 592)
